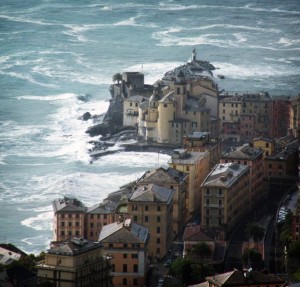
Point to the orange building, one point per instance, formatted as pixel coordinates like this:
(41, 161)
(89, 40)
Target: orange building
(175, 180)
(152, 206)
(69, 219)
(126, 242)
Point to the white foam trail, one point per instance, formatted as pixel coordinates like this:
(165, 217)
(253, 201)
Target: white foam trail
(288, 42)
(42, 221)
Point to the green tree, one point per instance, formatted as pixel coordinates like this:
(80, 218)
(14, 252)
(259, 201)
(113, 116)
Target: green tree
(200, 250)
(255, 231)
(253, 258)
(117, 77)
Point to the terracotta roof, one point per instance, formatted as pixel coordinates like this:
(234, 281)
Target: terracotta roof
(196, 233)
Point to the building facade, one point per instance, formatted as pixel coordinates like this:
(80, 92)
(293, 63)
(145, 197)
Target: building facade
(225, 196)
(126, 243)
(253, 158)
(76, 262)
(175, 180)
(196, 165)
(152, 206)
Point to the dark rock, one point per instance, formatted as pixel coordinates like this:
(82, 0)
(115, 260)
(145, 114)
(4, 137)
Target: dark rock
(86, 116)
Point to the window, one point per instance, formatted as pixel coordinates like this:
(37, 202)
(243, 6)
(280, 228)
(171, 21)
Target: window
(207, 201)
(91, 233)
(110, 245)
(135, 268)
(165, 105)
(77, 233)
(187, 168)
(158, 218)
(92, 216)
(62, 233)
(70, 215)
(70, 224)
(62, 223)
(62, 216)
(105, 216)
(158, 250)
(158, 230)
(70, 233)
(77, 224)
(77, 215)
(125, 281)
(124, 267)
(146, 208)
(146, 218)
(98, 216)
(158, 208)
(157, 240)
(125, 255)
(92, 224)
(207, 191)
(220, 191)
(135, 282)
(220, 202)
(134, 256)
(135, 218)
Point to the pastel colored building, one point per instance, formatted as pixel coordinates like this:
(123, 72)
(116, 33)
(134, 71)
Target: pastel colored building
(152, 206)
(196, 165)
(126, 242)
(295, 117)
(69, 219)
(175, 180)
(76, 262)
(131, 110)
(245, 116)
(253, 158)
(225, 196)
(267, 145)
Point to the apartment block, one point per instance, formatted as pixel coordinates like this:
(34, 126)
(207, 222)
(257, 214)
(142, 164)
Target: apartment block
(126, 242)
(253, 158)
(175, 180)
(196, 165)
(76, 262)
(225, 196)
(152, 206)
(69, 219)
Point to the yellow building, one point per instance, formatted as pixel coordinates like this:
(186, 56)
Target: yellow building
(77, 262)
(126, 244)
(266, 144)
(196, 165)
(225, 196)
(152, 206)
(175, 180)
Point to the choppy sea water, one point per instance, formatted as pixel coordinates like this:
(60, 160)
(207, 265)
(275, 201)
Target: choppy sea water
(57, 59)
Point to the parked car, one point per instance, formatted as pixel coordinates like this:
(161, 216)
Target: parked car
(168, 263)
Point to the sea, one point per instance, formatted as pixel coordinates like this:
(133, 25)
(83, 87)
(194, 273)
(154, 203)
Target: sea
(57, 60)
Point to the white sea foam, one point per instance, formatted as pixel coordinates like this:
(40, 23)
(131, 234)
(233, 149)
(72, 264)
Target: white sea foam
(42, 221)
(107, 8)
(288, 42)
(254, 71)
(175, 7)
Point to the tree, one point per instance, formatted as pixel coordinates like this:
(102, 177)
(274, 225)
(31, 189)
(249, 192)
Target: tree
(117, 77)
(253, 258)
(255, 231)
(200, 250)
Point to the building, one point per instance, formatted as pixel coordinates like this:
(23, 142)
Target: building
(197, 234)
(152, 206)
(225, 196)
(69, 218)
(76, 262)
(131, 110)
(10, 253)
(266, 144)
(203, 142)
(126, 243)
(98, 216)
(178, 105)
(245, 116)
(196, 165)
(280, 123)
(253, 158)
(247, 278)
(175, 180)
(295, 117)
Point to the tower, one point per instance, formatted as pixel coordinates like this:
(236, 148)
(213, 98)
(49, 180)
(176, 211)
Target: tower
(194, 55)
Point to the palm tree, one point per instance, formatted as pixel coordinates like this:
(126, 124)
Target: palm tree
(117, 77)
(255, 231)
